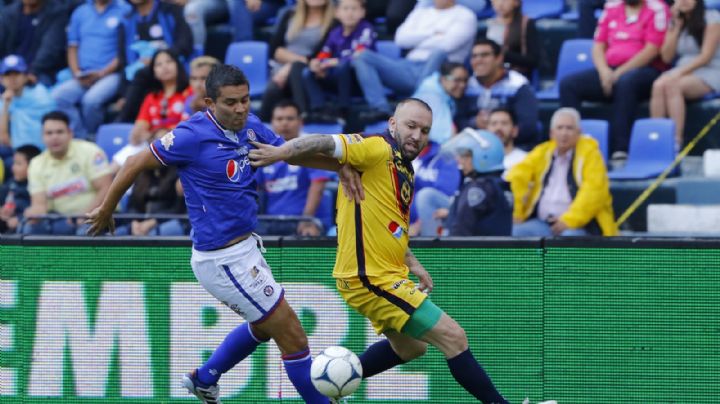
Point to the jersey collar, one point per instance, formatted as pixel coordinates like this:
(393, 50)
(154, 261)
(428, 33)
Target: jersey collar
(228, 133)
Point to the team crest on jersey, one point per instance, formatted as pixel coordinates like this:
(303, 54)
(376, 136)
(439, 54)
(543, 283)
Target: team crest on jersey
(268, 290)
(395, 229)
(167, 140)
(251, 135)
(233, 170)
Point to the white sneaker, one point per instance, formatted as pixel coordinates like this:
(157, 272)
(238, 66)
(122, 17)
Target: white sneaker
(208, 394)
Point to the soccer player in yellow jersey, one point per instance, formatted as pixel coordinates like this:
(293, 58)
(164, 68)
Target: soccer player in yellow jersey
(373, 260)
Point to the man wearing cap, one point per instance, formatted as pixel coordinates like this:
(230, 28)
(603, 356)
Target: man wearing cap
(92, 54)
(22, 105)
(35, 30)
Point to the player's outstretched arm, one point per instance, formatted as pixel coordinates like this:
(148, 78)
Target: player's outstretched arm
(100, 218)
(294, 151)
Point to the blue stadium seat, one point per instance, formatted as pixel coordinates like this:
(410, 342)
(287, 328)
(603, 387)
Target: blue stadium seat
(322, 128)
(112, 137)
(388, 48)
(252, 58)
(598, 129)
(326, 210)
(537, 9)
(377, 127)
(575, 55)
(652, 150)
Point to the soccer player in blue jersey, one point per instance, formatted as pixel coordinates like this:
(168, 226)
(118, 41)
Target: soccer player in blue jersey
(210, 151)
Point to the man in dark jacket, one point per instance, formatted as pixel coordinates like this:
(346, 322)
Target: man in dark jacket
(35, 30)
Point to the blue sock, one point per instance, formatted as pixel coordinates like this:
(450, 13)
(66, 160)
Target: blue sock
(468, 372)
(238, 345)
(378, 358)
(297, 367)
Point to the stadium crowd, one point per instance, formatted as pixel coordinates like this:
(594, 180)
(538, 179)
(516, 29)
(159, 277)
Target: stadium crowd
(72, 70)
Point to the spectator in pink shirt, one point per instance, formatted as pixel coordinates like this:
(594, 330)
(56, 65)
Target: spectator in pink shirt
(626, 57)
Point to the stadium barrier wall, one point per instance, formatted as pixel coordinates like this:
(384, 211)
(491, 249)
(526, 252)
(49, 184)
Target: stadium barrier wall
(580, 321)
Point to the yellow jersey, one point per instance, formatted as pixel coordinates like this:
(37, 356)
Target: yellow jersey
(373, 234)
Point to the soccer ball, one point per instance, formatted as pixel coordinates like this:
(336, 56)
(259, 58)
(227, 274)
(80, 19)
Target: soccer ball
(336, 372)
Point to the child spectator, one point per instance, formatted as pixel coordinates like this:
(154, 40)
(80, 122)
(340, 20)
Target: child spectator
(14, 197)
(331, 68)
(22, 105)
(693, 40)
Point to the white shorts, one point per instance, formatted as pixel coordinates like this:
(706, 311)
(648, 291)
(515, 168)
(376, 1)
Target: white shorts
(239, 277)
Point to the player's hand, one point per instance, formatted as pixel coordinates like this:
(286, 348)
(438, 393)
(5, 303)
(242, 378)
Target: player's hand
(426, 282)
(99, 221)
(253, 5)
(351, 183)
(607, 81)
(264, 154)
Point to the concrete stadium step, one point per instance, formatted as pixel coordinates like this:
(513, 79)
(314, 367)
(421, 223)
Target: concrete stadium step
(685, 220)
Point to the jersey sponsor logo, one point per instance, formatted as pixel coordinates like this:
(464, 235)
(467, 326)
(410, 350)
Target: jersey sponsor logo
(399, 283)
(268, 291)
(233, 170)
(289, 183)
(404, 182)
(396, 230)
(67, 188)
(167, 140)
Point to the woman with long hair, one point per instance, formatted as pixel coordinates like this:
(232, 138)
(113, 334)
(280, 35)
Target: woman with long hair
(164, 106)
(298, 37)
(517, 35)
(693, 40)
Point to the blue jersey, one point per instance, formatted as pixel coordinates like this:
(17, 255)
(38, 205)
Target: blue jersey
(436, 170)
(286, 187)
(218, 181)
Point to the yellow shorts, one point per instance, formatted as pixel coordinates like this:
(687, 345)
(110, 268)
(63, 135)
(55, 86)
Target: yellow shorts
(388, 302)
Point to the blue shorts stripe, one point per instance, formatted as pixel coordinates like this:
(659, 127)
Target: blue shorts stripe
(244, 293)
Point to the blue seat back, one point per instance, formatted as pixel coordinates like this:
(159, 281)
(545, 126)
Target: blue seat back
(252, 58)
(543, 8)
(377, 127)
(112, 137)
(322, 128)
(652, 140)
(575, 55)
(389, 49)
(598, 129)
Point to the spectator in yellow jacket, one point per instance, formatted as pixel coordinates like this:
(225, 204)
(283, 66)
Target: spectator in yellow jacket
(562, 187)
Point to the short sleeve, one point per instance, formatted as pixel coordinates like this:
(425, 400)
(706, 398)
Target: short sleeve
(657, 27)
(267, 136)
(35, 182)
(97, 165)
(73, 30)
(601, 32)
(712, 17)
(178, 147)
(361, 152)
